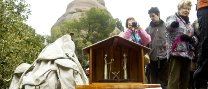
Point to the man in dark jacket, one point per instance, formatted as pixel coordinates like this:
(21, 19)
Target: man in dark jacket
(158, 66)
(201, 73)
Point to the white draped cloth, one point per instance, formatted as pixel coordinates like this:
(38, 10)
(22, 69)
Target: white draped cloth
(56, 67)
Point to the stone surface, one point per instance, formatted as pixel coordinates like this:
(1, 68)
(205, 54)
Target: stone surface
(76, 7)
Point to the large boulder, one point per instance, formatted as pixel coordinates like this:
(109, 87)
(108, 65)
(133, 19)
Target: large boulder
(77, 7)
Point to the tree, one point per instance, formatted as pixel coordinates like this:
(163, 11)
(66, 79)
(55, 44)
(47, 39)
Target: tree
(119, 24)
(18, 42)
(94, 25)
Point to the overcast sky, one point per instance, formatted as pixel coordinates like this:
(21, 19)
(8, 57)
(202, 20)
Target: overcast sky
(44, 13)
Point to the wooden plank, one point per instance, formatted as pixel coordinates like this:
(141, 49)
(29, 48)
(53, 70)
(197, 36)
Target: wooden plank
(133, 66)
(99, 62)
(91, 78)
(118, 86)
(142, 64)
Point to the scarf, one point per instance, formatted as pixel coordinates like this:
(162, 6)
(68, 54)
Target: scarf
(135, 37)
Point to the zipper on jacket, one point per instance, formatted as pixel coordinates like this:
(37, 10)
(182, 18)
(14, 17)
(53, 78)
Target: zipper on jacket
(158, 60)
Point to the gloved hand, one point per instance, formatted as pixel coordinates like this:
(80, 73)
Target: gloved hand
(174, 24)
(186, 38)
(191, 39)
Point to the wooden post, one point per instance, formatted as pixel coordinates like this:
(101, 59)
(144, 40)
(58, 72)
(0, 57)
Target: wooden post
(142, 64)
(91, 78)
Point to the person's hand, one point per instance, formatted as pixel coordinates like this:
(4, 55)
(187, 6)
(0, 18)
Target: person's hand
(186, 38)
(138, 27)
(194, 40)
(174, 24)
(191, 39)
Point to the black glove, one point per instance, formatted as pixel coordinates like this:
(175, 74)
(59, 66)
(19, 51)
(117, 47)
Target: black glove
(186, 38)
(174, 24)
(191, 39)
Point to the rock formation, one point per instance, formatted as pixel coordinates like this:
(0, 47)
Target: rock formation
(76, 7)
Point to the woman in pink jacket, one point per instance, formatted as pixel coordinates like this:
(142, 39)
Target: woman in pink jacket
(135, 33)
